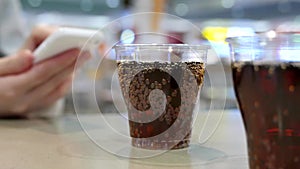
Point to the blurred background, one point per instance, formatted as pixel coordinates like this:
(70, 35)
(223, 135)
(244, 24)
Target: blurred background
(215, 21)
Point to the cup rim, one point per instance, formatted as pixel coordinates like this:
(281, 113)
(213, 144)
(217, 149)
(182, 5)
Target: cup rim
(163, 46)
(262, 36)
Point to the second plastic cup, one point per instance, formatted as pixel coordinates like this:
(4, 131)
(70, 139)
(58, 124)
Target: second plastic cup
(266, 76)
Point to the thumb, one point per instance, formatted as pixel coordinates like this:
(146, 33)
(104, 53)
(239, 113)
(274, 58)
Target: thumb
(16, 63)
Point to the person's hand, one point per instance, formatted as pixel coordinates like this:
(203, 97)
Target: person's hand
(25, 87)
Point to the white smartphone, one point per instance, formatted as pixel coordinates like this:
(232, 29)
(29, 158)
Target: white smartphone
(66, 38)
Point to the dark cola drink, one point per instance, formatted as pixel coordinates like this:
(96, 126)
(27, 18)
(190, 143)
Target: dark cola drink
(269, 99)
(160, 99)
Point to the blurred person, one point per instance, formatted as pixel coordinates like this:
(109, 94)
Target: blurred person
(13, 28)
(26, 87)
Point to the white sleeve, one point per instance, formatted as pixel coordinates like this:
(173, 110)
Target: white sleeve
(12, 26)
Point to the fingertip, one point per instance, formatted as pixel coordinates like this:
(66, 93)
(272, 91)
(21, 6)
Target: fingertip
(27, 56)
(25, 53)
(16, 63)
(24, 60)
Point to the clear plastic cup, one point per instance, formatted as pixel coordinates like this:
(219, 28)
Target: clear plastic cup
(160, 84)
(266, 76)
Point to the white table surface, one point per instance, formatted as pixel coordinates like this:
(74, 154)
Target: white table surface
(62, 144)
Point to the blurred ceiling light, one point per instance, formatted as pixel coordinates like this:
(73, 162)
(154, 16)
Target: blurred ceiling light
(271, 34)
(228, 3)
(113, 3)
(127, 36)
(170, 49)
(86, 5)
(35, 3)
(181, 9)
